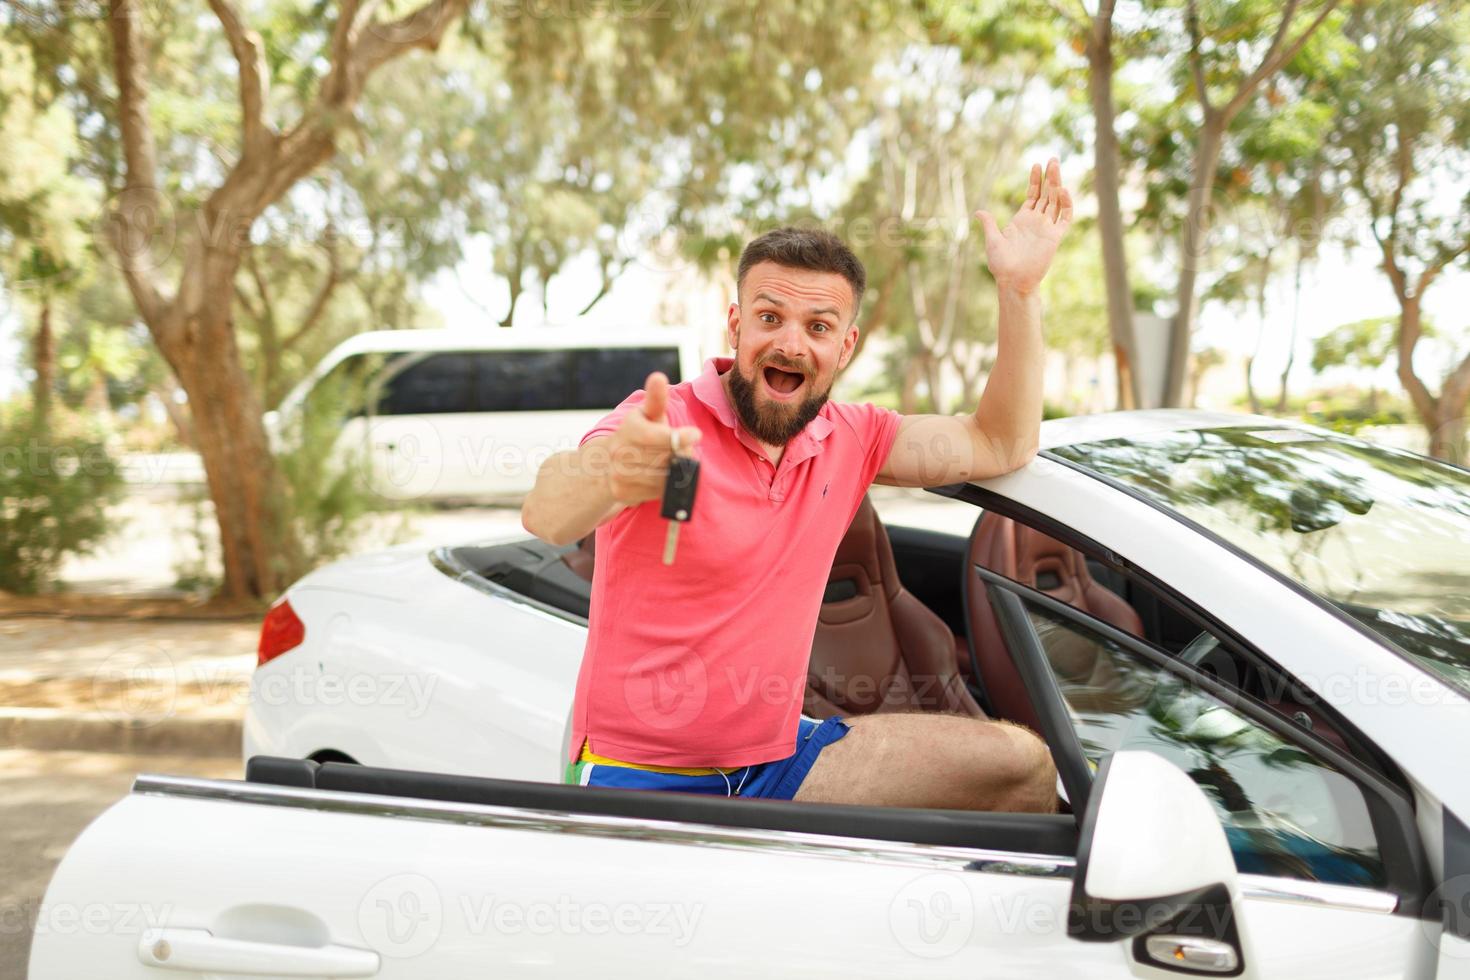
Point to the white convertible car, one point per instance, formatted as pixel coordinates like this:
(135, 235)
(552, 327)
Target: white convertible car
(1246, 641)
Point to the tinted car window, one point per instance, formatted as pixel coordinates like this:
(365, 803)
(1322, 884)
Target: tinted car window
(1380, 533)
(434, 385)
(1284, 811)
(604, 378)
(544, 380)
(524, 380)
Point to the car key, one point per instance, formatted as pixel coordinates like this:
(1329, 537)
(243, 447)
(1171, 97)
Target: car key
(678, 504)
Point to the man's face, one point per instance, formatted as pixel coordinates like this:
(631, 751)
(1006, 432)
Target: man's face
(792, 331)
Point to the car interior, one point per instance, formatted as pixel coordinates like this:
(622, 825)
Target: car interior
(903, 627)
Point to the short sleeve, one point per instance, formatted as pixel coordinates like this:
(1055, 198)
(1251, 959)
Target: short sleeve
(608, 423)
(882, 433)
(674, 413)
(876, 429)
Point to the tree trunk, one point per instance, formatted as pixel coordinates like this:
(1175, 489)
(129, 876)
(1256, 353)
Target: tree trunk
(1191, 253)
(1106, 174)
(44, 357)
(230, 436)
(908, 396)
(194, 327)
(1296, 315)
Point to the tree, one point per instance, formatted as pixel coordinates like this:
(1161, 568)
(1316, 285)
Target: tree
(1233, 48)
(1095, 35)
(949, 139)
(190, 176)
(1401, 147)
(1227, 68)
(1363, 344)
(193, 323)
(43, 242)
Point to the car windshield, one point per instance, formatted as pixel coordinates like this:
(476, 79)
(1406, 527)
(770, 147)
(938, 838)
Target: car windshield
(1382, 534)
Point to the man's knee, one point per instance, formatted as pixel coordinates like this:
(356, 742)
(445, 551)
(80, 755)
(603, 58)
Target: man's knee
(1022, 777)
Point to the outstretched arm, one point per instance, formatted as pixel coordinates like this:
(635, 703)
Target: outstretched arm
(579, 489)
(1002, 434)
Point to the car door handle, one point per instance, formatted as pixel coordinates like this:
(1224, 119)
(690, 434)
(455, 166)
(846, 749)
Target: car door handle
(200, 951)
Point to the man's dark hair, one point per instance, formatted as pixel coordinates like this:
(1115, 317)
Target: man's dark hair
(806, 248)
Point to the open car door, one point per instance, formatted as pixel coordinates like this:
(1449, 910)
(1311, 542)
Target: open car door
(1332, 871)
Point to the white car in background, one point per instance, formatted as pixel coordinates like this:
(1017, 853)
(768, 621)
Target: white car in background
(460, 414)
(1238, 636)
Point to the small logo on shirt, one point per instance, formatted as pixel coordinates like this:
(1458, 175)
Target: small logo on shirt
(824, 488)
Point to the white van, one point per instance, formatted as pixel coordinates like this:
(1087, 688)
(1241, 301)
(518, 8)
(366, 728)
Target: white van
(453, 414)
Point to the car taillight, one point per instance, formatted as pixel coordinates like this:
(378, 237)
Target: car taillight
(282, 630)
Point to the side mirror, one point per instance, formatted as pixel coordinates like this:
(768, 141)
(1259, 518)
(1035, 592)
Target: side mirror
(1153, 867)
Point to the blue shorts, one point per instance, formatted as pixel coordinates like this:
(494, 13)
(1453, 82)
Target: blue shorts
(777, 780)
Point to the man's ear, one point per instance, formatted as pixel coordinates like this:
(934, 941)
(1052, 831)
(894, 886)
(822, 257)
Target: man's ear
(849, 344)
(732, 325)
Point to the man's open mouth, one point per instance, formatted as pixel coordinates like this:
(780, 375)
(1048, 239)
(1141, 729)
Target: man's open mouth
(783, 382)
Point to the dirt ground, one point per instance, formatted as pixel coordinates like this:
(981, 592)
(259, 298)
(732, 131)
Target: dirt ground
(46, 800)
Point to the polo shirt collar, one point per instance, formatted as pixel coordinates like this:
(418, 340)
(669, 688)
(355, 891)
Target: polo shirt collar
(710, 390)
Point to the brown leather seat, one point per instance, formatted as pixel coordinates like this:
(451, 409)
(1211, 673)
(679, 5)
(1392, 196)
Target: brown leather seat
(584, 557)
(1044, 563)
(877, 648)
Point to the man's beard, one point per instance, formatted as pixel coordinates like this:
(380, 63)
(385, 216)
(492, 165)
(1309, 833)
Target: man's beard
(774, 424)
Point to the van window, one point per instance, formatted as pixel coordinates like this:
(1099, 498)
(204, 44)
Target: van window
(605, 377)
(543, 380)
(436, 384)
(523, 380)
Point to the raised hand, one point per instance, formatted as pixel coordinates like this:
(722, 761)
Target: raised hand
(1020, 255)
(641, 445)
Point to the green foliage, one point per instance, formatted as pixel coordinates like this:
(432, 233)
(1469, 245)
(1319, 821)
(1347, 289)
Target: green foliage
(1363, 344)
(55, 486)
(328, 498)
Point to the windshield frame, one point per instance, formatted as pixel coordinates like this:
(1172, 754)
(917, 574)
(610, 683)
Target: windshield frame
(1321, 601)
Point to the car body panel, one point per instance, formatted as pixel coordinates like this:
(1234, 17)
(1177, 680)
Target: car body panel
(439, 693)
(459, 891)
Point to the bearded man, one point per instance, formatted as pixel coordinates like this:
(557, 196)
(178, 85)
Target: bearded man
(693, 673)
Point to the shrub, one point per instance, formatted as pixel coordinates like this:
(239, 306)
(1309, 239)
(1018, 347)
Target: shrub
(330, 505)
(56, 484)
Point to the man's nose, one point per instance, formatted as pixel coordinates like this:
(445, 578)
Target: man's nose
(790, 341)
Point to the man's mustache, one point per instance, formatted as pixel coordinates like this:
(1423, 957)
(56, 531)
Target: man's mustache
(785, 364)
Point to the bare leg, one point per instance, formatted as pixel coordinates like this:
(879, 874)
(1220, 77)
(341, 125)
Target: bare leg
(934, 760)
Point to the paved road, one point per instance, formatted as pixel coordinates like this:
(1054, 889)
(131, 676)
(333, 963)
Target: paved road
(46, 800)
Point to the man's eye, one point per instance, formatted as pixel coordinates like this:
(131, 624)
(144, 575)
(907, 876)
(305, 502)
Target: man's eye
(820, 327)
(768, 317)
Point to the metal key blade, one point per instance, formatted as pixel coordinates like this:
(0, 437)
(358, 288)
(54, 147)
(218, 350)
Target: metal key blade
(671, 541)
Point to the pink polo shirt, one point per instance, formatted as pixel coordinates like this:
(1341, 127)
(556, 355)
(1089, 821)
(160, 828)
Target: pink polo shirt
(703, 662)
